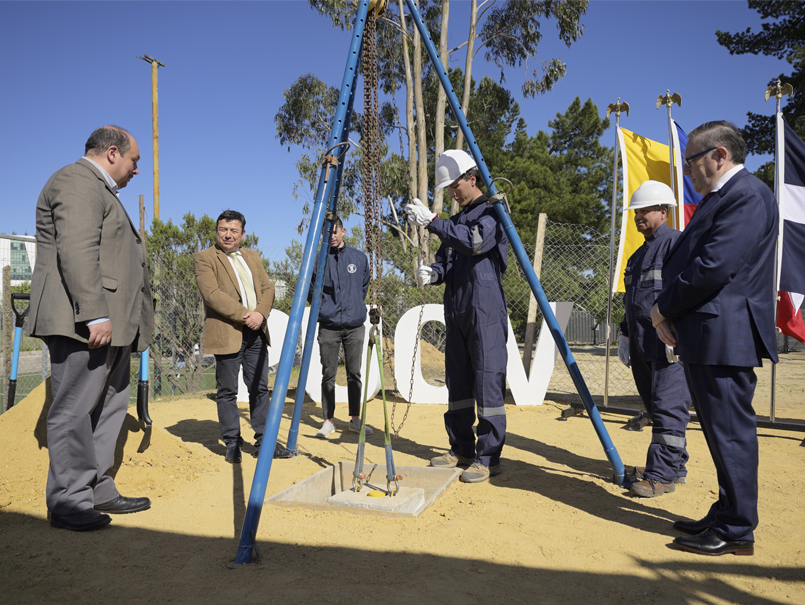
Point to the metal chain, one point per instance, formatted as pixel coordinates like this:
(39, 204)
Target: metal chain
(371, 160)
(372, 204)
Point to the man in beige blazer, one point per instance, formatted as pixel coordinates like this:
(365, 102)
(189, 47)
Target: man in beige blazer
(237, 300)
(91, 302)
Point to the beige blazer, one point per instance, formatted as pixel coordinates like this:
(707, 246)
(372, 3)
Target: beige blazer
(223, 306)
(90, 262)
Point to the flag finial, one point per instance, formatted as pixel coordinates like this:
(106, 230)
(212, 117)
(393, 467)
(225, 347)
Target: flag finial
(617, 108)
(669, 99)
(780, 90)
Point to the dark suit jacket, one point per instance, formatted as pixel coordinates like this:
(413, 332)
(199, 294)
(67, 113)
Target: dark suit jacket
(719, 278)
(223, 307)
(90, 262)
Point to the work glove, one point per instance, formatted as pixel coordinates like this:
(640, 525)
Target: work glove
(419, 214)
(425, 275)
(669, 354)
(623, 349)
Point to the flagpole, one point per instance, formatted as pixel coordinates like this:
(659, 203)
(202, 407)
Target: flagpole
(779, 179)
(617, 108)
(668, 100)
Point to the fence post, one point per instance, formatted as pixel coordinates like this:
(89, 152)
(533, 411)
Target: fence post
(8, 331)
(530, 327)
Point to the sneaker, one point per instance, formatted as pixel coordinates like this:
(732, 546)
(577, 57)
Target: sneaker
(356, 427)
(477, 473)
(450, 460)
(639, 470)
(649, 488)
(327, 429)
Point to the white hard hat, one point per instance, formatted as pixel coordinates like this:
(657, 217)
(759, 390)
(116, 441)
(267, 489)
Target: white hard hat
(451, 165)
(652, 193)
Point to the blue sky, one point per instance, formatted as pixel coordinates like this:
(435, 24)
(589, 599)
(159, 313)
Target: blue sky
(69, 67)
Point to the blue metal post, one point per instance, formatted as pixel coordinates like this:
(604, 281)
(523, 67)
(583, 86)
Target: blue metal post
(331, 197)
(19, 322)
(307, 353)
(261, 473)
(520, 253)
(12, 378)
(142, 391)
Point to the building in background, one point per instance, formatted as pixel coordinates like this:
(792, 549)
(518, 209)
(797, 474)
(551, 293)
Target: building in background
(18, 251)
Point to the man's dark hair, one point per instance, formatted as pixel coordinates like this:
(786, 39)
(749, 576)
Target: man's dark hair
(721, 134)
(105, 137)
(232, 215)
(339, 223)
(473, 172)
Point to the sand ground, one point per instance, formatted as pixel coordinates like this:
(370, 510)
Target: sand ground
(552, 528)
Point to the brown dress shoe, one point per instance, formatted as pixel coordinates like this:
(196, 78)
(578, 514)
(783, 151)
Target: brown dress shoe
(649, 488)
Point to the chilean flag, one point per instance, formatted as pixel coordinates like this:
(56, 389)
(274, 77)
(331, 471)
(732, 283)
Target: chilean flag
(691, 199)
(791, 199)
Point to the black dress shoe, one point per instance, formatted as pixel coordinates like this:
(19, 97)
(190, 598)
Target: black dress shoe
(692, 527)
(122, 505)
(85, 520)
(284, 453)
(233, 455)
(710, 542)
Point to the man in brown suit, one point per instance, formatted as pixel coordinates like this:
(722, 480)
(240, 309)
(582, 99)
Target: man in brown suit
(237, 300)
(91, 302)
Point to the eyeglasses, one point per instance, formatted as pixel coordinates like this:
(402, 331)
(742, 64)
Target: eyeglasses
(696, 155)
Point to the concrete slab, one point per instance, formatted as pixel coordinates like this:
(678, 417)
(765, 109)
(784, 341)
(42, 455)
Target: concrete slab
(407, 500)
(316, 491)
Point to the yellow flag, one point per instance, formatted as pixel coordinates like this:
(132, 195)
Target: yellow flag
(643, 160)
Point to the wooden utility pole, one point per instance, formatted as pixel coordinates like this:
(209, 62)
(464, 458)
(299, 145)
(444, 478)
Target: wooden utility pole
(142, 217)
(154, 125)
(530, 328)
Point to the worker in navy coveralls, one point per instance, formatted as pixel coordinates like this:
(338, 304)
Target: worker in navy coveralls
(658, 375)
(341, 317)
(470, 262)
(717, 308)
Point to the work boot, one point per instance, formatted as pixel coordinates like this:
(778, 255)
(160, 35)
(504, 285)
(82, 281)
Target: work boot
(450, 460)
(639, 471)
(327, 429)
(479, 473)
(649, 488)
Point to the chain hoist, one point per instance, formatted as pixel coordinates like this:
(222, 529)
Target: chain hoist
(374, 240)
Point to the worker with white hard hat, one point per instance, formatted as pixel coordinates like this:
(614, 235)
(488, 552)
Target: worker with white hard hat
(470, 262)
(658, 375)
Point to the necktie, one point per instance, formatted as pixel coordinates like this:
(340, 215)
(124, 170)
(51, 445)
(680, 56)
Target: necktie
(246, 278)
(704, 200)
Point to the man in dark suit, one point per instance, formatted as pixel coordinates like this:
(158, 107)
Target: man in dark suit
(237, 300)
(91, 301)
(717, 308)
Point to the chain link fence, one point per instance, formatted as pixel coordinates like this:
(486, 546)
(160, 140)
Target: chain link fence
(574, 268)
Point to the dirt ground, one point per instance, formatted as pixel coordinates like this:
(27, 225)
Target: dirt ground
(552, 528)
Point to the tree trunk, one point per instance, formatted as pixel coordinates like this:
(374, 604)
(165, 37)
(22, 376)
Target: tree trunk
(441, 102)
(465, 100)
(409, 115)
(421, 139)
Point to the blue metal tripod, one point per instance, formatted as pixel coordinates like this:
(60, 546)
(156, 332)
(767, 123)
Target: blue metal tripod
(327, 191)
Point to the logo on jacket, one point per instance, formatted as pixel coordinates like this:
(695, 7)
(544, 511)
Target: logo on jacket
(351, 268)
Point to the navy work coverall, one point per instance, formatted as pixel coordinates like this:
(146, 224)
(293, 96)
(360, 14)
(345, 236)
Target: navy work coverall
(662, 385)
(470, 262)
